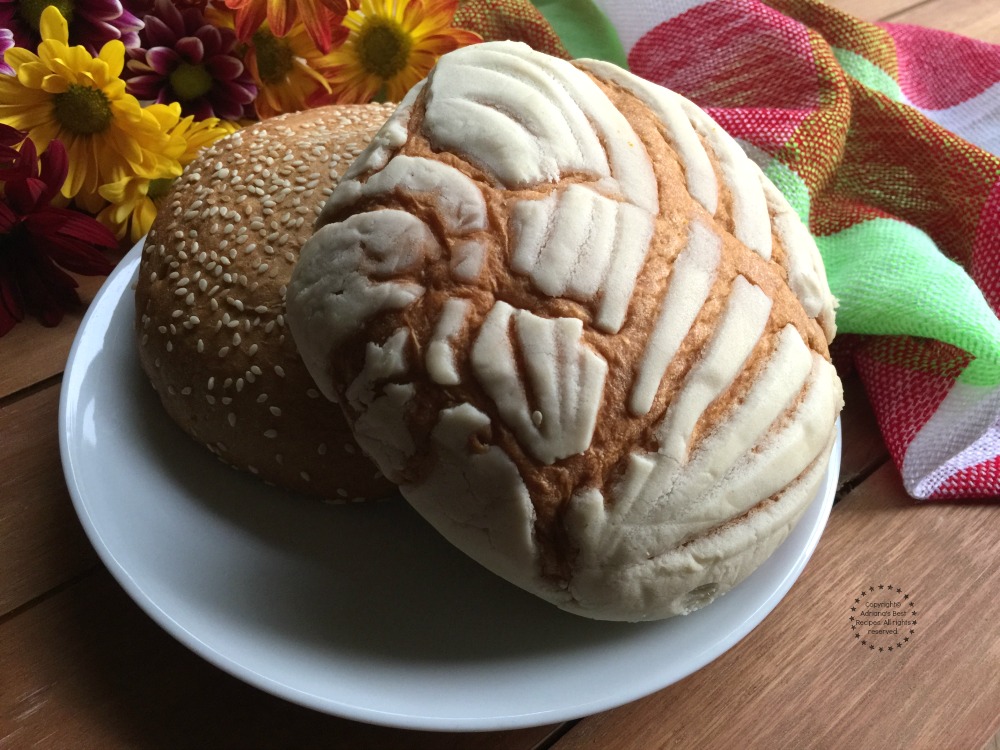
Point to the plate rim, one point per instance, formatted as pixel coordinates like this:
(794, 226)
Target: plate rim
(115, 292)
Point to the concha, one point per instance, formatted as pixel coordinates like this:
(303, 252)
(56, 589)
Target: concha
(580, 329)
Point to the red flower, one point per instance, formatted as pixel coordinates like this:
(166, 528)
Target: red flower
(39, 242)
(321, 18)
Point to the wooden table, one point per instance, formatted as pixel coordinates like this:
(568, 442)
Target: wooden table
(81, 666)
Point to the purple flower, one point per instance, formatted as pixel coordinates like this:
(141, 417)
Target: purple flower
(183, 58)
(6, 42)
(92, 23)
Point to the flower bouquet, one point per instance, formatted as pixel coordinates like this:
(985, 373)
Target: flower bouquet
(119, 95)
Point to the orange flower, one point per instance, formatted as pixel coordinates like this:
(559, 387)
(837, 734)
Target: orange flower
(321, 18)
(392, 45)
(288, 70)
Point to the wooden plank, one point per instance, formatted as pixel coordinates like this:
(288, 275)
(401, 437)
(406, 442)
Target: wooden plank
(979, 19)
(40, 352)
(801, 680)
(87, 668)
(42, 541)
(871, 10)
(862, 445)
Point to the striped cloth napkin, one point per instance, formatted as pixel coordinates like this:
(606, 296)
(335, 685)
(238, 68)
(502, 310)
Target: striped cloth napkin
(886, 139)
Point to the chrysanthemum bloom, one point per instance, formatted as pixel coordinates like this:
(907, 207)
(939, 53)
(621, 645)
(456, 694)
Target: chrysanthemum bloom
(133, 199)
(63, 92)
(92, 23)
(392, 44)
(6, 42)
(40, 242)
(321, 18)
(288, 70)
(182, 58)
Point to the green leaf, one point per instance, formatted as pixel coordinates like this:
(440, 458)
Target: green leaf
(584, 29)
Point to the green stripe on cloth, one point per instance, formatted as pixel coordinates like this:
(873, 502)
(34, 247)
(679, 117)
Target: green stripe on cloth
(792, 187)
(584, 30)
(909, 287)
(864, 71)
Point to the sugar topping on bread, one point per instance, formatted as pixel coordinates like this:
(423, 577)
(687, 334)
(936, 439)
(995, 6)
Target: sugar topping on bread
(579, 327)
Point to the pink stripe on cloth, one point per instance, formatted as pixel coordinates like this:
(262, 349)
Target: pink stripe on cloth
(970, 481)
(904, 397)
(983, 267)
(938, 69)
(761, 72)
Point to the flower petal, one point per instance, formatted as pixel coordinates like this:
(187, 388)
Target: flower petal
(224, 67)
(52, 25)
(163, 60)
(113, 55)
(281, 16)
(249, 18)
(146, 86)
(158, 34)
(190, 49)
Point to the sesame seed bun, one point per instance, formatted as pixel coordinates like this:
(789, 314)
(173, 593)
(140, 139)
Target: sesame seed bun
(210, 302)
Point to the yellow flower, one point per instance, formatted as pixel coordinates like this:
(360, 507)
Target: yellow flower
(198, 134)
(392, 45)
(66, 93)
(288, 70)
(133, 198)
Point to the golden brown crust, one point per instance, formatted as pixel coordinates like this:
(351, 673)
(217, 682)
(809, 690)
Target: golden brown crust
(210, 302)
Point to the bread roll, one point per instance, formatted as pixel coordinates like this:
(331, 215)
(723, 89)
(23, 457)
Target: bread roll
(210, 301)
(579, 327)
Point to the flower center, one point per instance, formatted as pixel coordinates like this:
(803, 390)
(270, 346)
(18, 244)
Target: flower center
(31, 10)
(82, 110)
(159, 187)
(190, 81)
(383, 47)
(274, 57)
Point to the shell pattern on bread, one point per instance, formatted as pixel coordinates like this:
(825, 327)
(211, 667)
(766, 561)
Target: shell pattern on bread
(579, 327)
(210, 302)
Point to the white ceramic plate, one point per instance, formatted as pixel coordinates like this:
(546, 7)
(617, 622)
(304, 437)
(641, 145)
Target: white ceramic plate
(361, 610)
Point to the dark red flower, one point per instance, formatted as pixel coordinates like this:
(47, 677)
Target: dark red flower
(92, 23)
(183, 58)
(40, 242)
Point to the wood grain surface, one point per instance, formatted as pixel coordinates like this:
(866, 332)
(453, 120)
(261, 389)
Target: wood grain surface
(81, 666)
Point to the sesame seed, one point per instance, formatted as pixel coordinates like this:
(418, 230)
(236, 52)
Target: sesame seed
(272, 434)
(275, 411)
